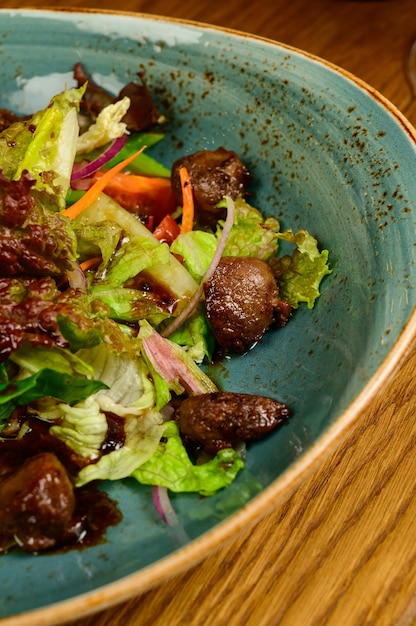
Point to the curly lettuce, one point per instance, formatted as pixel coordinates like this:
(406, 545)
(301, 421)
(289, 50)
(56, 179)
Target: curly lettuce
(128, 394)
(252, 234)
(142, 437)
(45, 146)
(171, 467)
(44, 383)
(299, 275)
(107, 127)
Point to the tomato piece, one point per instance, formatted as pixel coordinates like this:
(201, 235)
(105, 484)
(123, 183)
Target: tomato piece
(167, 230)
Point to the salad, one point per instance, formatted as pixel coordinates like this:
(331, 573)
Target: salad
(119, 278)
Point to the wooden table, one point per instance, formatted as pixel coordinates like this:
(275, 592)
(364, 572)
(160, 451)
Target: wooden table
(342, 550)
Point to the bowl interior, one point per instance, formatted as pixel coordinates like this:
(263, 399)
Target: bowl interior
(325, 155)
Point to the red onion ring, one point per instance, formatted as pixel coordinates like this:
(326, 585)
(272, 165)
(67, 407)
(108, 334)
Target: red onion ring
(163, 505)
(89, 169)
(166, 512)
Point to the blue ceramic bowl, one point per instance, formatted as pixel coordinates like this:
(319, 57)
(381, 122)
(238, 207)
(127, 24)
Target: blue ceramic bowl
(327, 153)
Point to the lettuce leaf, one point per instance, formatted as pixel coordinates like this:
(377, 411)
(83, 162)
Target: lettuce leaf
(77, 337)
(128, 394)
(130, 305)
(299, 275)
(46, 382)
(33, 359)
(197, 249)
(196, 337)
(82, 427)
(251, 234)
(142, 439)
(42, 242)
(107, 127)
(162, 267)
(97, 239)
(130, 258)
(44, 145)
(45, 373)
(125, 376)
(171, 467)
(116, 287)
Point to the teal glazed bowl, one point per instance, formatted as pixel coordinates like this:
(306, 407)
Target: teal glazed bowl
(327, 153)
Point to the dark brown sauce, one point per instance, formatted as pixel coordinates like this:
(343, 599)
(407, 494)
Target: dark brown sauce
(94, 511)
(160, 295)
(37, 438)
(116, 435)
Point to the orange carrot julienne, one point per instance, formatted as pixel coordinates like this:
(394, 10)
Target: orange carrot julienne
(134, 183)
(89, 263)
(93, 192)
(187, 201)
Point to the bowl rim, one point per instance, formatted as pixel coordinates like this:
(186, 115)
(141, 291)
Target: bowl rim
(146, 578)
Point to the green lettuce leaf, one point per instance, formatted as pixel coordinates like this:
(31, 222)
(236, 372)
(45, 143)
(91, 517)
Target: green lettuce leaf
(77, 337)
(116, 286)
(33, 359)
(239, 493)
(128, 394)
(40, 237)
(197, 249)
(129, 389)
(44, 145)
(130, 305)
(46, 382)
(142, 439)
(299, 275)
(82, 427)
(131, 258)
(95, 239)
(251, 234)
(171, 467)
(123, 257)
(196, 337)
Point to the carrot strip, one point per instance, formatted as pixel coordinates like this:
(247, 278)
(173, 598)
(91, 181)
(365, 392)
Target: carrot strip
(93, 192)
(133, 183)
(89, 263)
(188, 209)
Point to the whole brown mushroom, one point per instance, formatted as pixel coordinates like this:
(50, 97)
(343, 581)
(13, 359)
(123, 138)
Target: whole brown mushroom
(214, 174)
(242, 302)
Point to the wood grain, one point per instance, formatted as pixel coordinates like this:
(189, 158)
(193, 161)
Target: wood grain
(341, 551)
